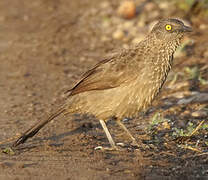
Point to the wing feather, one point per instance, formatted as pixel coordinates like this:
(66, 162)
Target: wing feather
(109, 73)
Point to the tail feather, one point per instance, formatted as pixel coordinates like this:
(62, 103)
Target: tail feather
(35, 128)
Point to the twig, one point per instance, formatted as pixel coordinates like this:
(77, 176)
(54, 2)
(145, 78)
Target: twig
(197, 128)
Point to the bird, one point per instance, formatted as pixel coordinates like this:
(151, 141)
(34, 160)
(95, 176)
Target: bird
(123, 84)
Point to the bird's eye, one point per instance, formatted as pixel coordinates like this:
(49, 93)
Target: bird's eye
(168, 27)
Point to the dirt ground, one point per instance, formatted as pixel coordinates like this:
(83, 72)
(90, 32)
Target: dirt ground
(45, 46)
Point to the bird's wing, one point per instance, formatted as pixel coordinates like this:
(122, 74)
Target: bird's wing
(109, 73)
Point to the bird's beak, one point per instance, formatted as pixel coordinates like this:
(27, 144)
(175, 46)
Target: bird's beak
(187, 29)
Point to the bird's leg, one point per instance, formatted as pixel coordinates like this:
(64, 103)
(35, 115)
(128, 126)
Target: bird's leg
(110, 139)
(127, 131)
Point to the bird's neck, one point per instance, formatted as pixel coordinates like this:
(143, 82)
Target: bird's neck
(159, 54)
(171, 46)
(168, 46)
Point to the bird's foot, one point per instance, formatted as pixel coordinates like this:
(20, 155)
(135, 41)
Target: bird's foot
(120, 144)
(112, 148)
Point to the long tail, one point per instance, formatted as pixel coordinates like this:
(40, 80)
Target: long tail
(35, 128)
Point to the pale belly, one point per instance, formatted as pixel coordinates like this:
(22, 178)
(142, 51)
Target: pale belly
(117, 102)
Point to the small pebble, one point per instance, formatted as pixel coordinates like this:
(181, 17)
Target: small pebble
(119, 34)
(150, 6)
(164, 5)
(127, 9)
(203, 26)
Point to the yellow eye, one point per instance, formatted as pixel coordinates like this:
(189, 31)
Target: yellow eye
(168, 27)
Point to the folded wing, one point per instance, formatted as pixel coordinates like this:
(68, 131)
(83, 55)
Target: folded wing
(109, 73)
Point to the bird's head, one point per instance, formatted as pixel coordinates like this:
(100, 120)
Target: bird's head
(170, 29)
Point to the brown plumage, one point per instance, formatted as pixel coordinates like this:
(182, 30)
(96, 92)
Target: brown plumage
(125, 83)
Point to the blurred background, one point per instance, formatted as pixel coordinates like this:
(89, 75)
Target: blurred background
(46, 45)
